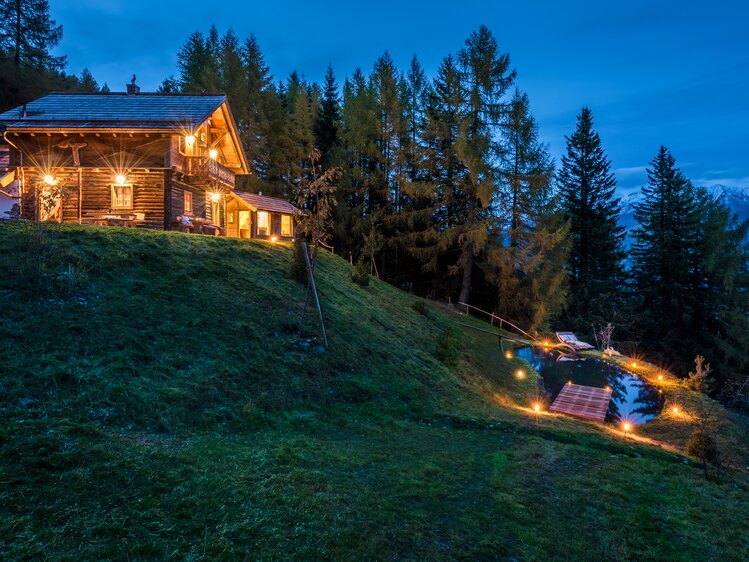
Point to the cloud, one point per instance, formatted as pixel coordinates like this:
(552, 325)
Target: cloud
(634, 170)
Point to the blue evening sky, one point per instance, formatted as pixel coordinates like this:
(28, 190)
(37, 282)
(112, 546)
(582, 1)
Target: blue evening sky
(653, 71)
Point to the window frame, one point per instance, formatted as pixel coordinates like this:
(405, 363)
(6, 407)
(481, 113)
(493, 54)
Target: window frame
(187, 195)
(113, 201)
(267, 223)
(290, 232)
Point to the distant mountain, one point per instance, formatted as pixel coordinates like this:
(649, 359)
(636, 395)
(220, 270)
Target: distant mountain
(735, 198)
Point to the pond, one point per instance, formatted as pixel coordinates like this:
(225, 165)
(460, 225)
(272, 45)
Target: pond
(633, 399)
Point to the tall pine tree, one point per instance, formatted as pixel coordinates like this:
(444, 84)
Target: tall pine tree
(589, 201)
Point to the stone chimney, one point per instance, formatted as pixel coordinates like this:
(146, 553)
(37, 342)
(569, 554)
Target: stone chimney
(133, 88)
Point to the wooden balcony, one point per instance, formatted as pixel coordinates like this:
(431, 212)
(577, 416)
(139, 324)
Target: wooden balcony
(206, 170)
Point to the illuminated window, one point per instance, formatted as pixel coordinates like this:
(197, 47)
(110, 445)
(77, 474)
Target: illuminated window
(122, 196)
(188, 203)
(285, 225)
(263, 223)
(230, 217)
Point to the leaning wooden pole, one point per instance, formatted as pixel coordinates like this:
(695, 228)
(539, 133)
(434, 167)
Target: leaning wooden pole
(313, 288)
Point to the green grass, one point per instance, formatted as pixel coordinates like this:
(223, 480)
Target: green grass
(156, 405)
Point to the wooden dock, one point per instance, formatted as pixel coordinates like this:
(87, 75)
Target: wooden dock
(586, 402)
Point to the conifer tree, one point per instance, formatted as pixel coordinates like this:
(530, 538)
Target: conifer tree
(527, 253)
(326, 126)
(87, 81)
(485, 78)
(28, 33)
(589, 201)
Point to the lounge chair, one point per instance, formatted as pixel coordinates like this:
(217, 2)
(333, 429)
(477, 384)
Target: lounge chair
(570, 339)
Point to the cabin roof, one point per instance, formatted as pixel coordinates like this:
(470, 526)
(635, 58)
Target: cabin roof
(257, 202)
(113, 111)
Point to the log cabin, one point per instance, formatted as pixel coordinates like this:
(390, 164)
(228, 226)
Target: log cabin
(254, 215)
(161, 161)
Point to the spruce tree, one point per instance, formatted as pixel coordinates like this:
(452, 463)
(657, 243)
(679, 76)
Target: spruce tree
(326, 126)
(590, 204)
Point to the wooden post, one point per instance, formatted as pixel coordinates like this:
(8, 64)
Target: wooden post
(312, 287)
(80, 196)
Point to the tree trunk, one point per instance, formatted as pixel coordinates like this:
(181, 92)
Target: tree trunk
(467, 260)
(17, 57)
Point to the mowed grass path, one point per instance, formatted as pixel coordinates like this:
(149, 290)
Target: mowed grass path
(155, 405)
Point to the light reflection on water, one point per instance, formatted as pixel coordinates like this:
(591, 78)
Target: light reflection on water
(633, 399)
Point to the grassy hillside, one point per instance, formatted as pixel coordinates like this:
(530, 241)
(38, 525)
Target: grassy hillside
(156, 404)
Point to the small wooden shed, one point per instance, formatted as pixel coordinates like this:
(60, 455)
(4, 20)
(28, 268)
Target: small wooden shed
(254, 215)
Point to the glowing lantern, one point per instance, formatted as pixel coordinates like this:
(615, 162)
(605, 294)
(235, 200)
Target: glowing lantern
(520, 373)
(627, 427)
(675, 409)
(215, 197)
(274, 238)
(120, 179)
(213, 153)
(189, 141)
(508, 355)
(634, 363)
(49, 180)
(537, 407)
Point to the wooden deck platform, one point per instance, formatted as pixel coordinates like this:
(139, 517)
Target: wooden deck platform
(586, 402)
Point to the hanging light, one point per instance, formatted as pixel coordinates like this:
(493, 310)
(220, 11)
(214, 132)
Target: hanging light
(49, 180)
(215, 197)
(213, 153)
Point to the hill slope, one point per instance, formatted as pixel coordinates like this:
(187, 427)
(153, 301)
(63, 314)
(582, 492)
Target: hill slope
(156, 404)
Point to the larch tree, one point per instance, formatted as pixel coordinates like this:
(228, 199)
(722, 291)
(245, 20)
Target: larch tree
(528, 249)
(485, 78)
(28, 34)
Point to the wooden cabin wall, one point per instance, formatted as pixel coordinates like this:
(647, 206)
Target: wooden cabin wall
(116, 153)
(148, 194)
(199, 201)
(232, 219)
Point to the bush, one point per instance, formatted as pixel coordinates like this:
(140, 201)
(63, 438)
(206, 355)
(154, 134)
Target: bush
(298, 265)
(420, 306)
(447, 348)
(360, 275)
(703, 446)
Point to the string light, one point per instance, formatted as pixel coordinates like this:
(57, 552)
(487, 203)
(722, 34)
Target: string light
(508, 354)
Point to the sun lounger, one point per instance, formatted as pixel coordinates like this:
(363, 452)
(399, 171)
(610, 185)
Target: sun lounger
(571, 339)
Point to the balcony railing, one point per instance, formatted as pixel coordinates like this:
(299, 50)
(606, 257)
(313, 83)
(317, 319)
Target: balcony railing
(207, 168)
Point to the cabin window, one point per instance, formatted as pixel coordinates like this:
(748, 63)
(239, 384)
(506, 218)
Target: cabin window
(263, 223)
(286, 225)
(188, 203)
(230, 217)
(122, 196)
